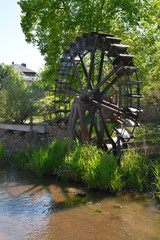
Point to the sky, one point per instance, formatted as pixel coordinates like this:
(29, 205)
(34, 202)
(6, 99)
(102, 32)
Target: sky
(13, 47)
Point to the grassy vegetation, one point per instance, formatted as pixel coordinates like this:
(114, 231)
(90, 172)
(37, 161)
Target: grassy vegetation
(97, 169)
(2, 153)
(43, 160)
(156, 172)
(85, 163)
(136, 171)
(148, 132)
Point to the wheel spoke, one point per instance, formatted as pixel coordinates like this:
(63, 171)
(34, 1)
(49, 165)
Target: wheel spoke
(109, 86)
(101, 67)
(76, 71)
(106, 129)
(85, 71)
(70, 91)
(92, 62)
(84, 67)
(106, 78)
(74, 119)
(107, 106)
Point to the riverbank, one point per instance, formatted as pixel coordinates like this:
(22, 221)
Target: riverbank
(84, 163)
(69, 160)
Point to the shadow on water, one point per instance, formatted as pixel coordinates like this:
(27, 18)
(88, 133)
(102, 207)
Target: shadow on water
(44, 208)
(23, 193)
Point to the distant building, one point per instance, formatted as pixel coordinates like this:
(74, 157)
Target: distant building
(29, 75)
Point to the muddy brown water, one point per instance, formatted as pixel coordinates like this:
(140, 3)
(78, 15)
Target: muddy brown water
(43, 208)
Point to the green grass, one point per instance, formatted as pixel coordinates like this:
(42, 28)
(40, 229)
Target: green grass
(135, 171)
(156, 173)
(2, 153)
(73, 161)
(43, 160)
(85, 163)
(92, 166)
(148, 132)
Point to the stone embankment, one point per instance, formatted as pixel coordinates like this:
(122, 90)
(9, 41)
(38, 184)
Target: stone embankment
(15, 136)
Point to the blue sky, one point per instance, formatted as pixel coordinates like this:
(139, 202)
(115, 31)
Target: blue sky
(13, 47)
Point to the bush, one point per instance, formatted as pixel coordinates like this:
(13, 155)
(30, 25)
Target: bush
(14, 100)
(46, 109)
(151, 93)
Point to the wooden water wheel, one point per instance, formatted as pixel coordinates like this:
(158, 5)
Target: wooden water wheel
(97, 90)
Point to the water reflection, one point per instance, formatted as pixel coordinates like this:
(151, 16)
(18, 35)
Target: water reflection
(42, 208)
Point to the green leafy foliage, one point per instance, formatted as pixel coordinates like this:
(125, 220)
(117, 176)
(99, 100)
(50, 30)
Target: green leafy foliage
(14, 100)
(46, 83)
(15, 97)
(2, 153)
(44, 160)
(148, 133)
(94, 167)
(135, 170)
(156, 173)
(51, 25)
(5, 71)
(152, 93)
(46, 109)
(87, 164)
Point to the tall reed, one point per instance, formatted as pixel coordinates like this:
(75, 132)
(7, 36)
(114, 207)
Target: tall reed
(156, 173)
(135, 171)
(2, 153)
(94, 167)
(86, 163)
(43, 160)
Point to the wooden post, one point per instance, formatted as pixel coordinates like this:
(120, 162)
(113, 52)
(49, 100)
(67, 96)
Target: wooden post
(119, 149)
(31, 123)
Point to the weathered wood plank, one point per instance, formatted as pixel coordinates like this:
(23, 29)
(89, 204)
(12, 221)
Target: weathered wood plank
(36, 128)
(23, 128)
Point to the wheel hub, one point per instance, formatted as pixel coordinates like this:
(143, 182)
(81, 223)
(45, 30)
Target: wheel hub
(85, 96)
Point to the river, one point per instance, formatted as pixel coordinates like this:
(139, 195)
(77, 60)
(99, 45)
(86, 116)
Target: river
(43, 208)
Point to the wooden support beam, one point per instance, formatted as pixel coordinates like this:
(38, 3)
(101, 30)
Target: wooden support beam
(84, 129)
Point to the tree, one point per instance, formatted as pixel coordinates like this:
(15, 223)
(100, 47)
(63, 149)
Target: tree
(52, 24)
(5, 71)
(15, 97)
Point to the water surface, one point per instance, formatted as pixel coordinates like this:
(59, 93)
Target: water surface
(43, 208)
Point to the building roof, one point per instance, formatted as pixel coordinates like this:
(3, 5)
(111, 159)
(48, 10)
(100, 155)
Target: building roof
(29, 75)
(22, 69)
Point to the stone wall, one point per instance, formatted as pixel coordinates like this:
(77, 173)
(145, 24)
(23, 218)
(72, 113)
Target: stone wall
(14, 140)
(150, 114)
